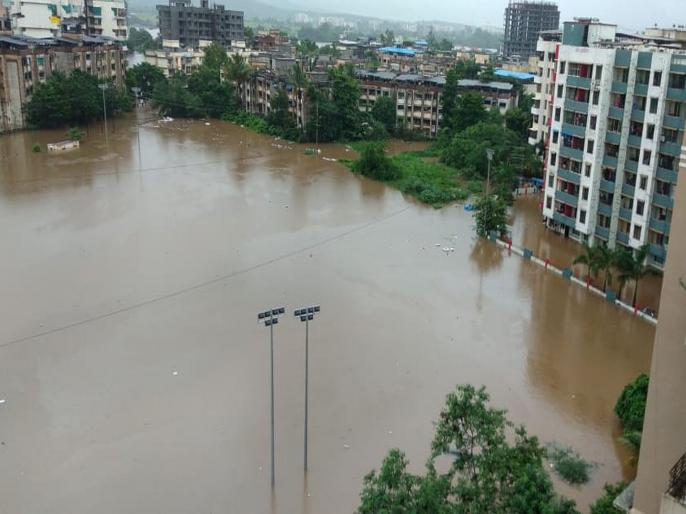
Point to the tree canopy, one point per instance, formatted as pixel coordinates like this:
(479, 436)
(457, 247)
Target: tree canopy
(145, 76)
(139, 40)
(487, 472)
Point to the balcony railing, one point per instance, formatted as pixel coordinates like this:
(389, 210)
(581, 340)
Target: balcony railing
(602, 232)
(625, 214)
(659, 225)
(605, 208)
(567, 198)
(563, 219)
(607, 185)
(677, 480)
(573, 105)
(623, 237)
(569, 176)
(666, 175)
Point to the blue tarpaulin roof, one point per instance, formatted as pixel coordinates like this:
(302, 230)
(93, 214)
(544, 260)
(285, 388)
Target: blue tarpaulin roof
(397, 50)
(519, 75)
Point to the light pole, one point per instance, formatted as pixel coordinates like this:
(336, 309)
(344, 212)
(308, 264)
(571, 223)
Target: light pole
(271, 318)
(489, 156)
(137, 91)
(306, 314)
(103, 87)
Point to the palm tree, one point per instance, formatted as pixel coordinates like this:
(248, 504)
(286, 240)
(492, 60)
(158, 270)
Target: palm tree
(605, 259)
(624, 260)
(238, 71)
(588, 259)
(636, 269)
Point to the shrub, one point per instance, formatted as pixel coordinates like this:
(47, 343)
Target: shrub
(374, 163)
(490, 214)
(568, 464)
(75, 134)
(603, 505)
(35, 148)
(630, 409)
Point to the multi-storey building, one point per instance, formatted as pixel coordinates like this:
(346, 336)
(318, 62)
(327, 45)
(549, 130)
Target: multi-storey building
(181, 21)
(26, 62)
(524, 21)
(542, 108)
(52, 18)
(615, 141)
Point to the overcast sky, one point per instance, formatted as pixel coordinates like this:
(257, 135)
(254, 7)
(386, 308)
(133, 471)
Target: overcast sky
(626, 13)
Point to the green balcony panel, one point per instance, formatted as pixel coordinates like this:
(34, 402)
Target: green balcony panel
(663, 201)
(674, 122)
(666, 175)
(607, 186)
(625, 214)
(605, 209)
(569, 176)
(618, 87)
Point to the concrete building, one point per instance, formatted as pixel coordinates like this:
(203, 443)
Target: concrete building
(189, 25)
(542, 109)
(524, 21)
(615, 139)
(660, 485)
(5, 20)
(171, 59)
(25, 63)
(52, 18)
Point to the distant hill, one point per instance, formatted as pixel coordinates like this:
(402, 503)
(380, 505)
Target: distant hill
(251, 8)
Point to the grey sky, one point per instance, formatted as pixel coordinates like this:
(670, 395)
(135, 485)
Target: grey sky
(625, 13)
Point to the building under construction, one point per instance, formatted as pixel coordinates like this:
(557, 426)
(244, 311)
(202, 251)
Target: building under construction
(524, 21)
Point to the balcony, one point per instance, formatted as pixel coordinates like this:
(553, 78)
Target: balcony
(607, 186)
(604, 208)
(613, 137)
(628, 190)
(566, 198)
(641, 89)
(674, 122)
(663, 201)
(583, 82)
(574, 130)
(623, 237)
(616, 113)
(658, 251)
(677, 481)
(573, 105)
(666, 175)
(631, 165)
(573, 153)
(569, 176)
(602, 232)
(565, 220)
(625, 214)
(678, 95)
(634, 141)
(618, 87)
(669, 148)
(609, 160)
(659, 225)
(638, 114)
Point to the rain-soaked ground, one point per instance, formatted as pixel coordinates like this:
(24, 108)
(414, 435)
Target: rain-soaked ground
(135, 377)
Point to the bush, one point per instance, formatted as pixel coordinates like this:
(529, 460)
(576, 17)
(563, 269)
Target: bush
(490, 214)
(568, 464)
(75, 134)
(630, 409)
(603, 505)
(35, 148)
(374, 163)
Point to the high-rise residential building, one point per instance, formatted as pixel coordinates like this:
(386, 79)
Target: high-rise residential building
(189, 25)
(52, 18)
(612, 160)
(524, 21)
(542, 109)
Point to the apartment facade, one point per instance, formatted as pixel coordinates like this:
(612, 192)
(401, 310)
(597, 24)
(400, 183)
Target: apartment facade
(52, 18)
(524, 21)
(542, 108)
(617, 124)
(189, 25)
(25, 63)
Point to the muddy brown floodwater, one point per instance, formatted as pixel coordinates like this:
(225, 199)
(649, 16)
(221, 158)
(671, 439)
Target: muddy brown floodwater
(135, 377)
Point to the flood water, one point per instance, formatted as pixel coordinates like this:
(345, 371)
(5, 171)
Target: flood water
(135, 375)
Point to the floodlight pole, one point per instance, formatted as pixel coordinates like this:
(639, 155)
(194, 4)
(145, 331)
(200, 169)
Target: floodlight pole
(307, 358)
(271, 338)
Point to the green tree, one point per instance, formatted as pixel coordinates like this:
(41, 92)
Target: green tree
(384, 111)
(345, 96)
(374, 163)
(145, 76)
(308, 53)
(280, 119)
(633, 267)
(139, 40)
(605, 260)
(218, 99)
(519, 121)
(298, 77)
(630, 409)
(248, 35)
(387, 38)
(75, 134)
(172, 98)
(467, 69)
(469, 110)
(589, 259)
(215, 57)
(238, 72)
(604, 504)
(449, 99)
(490, 214)
(488, 73)
(488, 473)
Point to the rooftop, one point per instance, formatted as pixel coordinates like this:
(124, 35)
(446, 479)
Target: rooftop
(398, 51)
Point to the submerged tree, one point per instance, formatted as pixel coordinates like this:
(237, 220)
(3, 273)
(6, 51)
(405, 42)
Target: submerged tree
(495, 468)
(490, 214)
(633, 267)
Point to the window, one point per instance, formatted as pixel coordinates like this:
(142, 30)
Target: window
(596, 97)
(587, 170)
(562, 67)
(642, 76)
(633, 153)
(637, 231)
(598, 72)
(548, 202)
(640, 103)
(582, 216)
(620, 74)
(677, 80)
(556, 136)
(650, 134)
(553, 159)
(594, 120)
(558, 111)
(657, 78)
(647, 155)
(614, 125)
(589, 146)
(559, 91)
(653, 105)
(584, 193)
(640, 207)
(643, 183)
(551, 180)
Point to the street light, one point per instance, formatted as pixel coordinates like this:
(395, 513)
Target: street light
(137, 91)
(271, 318)
(489, 156)
(103, 87)
(306, 314)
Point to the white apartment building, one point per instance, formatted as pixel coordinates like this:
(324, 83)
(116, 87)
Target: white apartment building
(542, 109)
(51, 18)
(615, 140)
